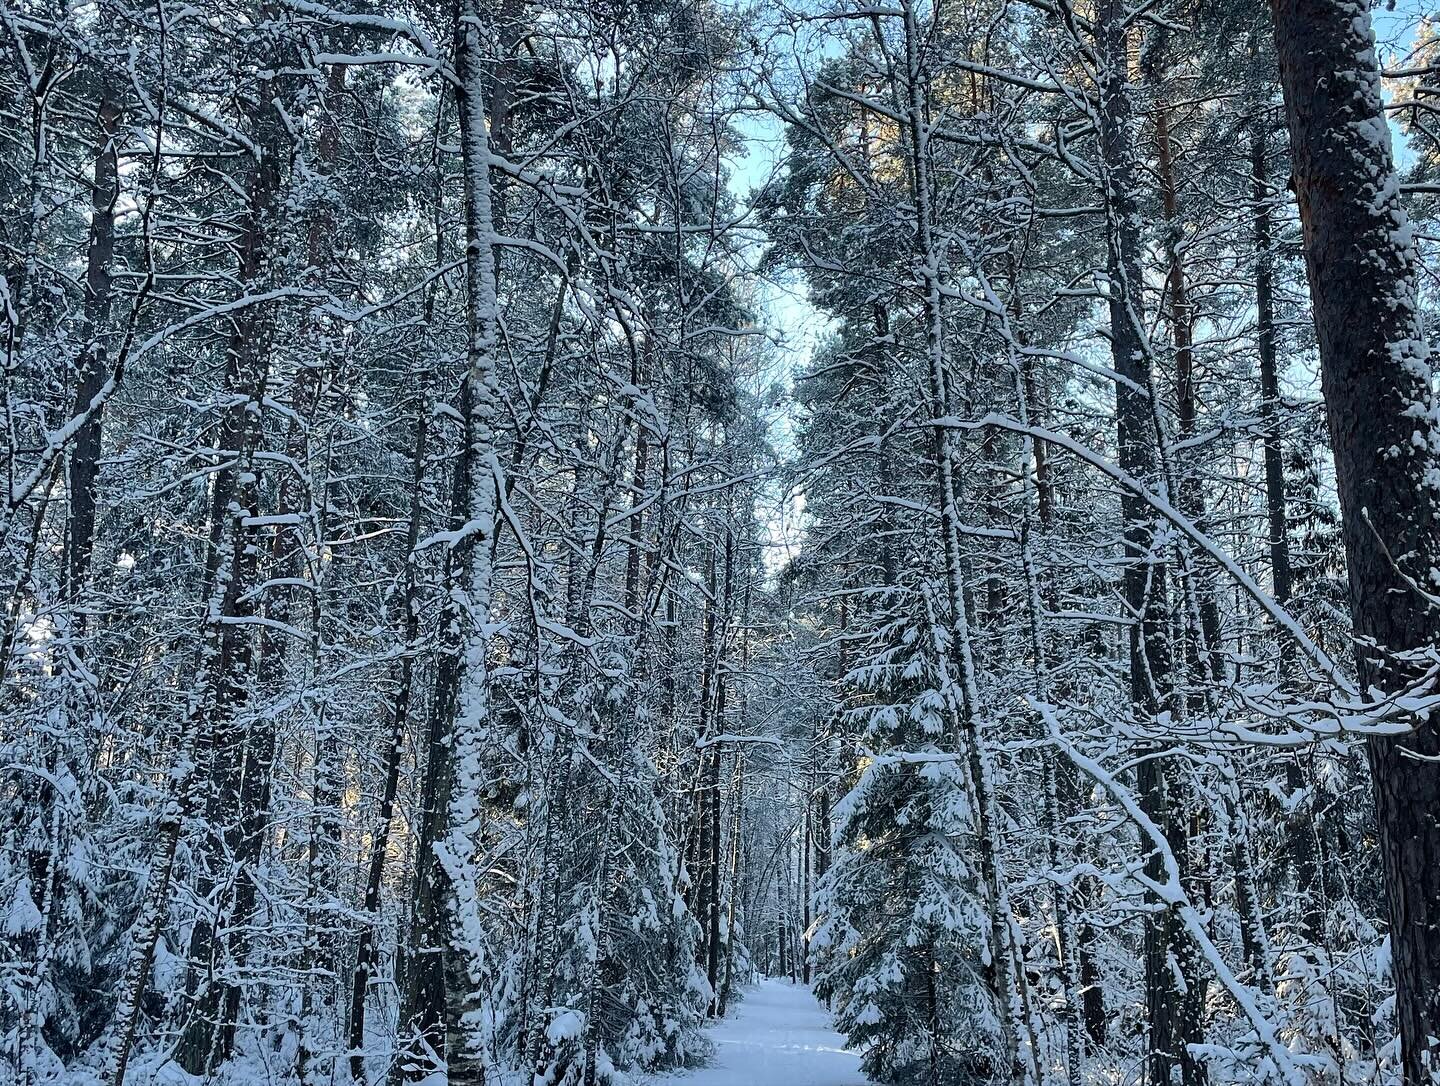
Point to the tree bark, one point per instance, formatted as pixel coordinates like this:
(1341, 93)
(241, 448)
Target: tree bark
(1171, 1023)
(1376, 374)
(467, 968)
(84, 459)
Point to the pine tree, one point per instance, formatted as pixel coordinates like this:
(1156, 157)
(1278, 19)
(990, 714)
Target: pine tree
(902, 934)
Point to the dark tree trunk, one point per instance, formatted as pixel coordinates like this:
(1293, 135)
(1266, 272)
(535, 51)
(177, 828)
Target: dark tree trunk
(1171, 1024)
(1301, 832)
(366, 957)
(423, 1003)
(1202, 644)
(233, 759)
(1376, 373)
(1265, 342)
(84, 460)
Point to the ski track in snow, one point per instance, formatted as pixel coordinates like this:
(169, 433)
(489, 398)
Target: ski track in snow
(779, 1035)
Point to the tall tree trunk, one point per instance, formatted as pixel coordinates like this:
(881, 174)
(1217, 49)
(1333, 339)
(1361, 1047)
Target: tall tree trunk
(1044, 596)
(1145, 577)
(210, 755)
(1282, 577)
(806, 890)
(713, 831)
(432, 1005)
(1202, 643)
(711, 814)
(366, 956)
(467, 968)
(323, 930)
(1377, 377)
(705, 729)
(732, 904)
(970, 741)
(84, 459)
(419, 965)
(1202, 613)
(1301, 830)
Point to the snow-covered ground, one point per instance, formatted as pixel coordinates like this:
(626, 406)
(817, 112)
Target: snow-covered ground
(779, 1035)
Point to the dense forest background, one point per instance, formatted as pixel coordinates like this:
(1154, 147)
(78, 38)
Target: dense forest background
(522, 514)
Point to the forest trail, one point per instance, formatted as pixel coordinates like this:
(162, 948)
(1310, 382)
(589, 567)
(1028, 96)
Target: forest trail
(779, 1035)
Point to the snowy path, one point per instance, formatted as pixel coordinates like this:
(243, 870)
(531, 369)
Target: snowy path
(779, 1035)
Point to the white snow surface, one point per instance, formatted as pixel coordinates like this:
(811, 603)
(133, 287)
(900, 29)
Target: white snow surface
(779, 1035)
